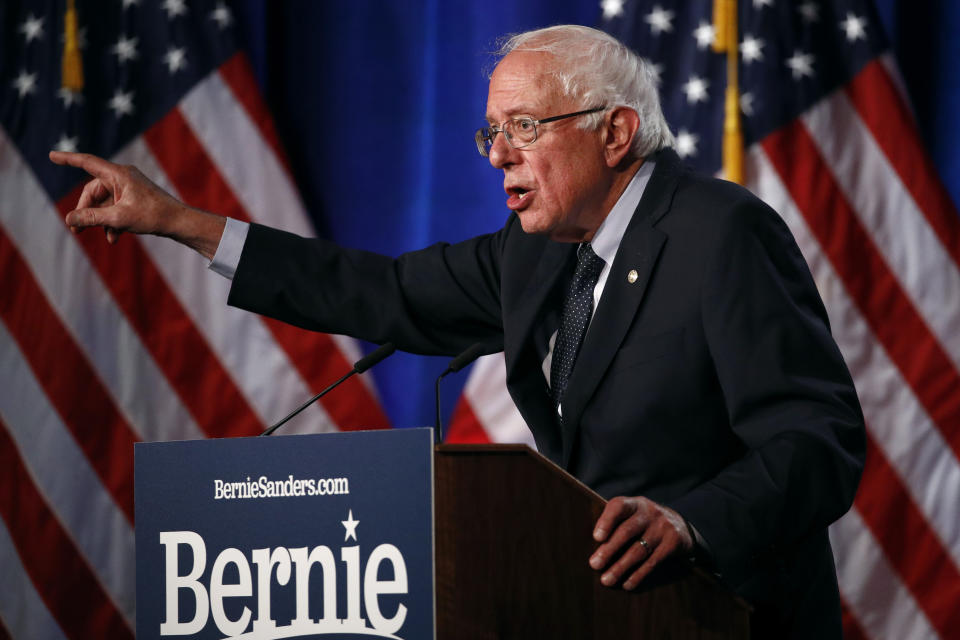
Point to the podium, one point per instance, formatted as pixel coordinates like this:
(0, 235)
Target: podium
(513, 534)
(338, 535)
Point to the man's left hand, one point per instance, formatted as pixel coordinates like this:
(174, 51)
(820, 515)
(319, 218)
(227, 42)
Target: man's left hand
(642, 533)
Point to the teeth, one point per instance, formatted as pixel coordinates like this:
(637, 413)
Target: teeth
(522, 195)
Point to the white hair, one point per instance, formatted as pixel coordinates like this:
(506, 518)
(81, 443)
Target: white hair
(596, 69)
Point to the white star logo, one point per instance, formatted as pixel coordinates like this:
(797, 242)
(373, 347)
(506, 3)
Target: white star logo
(687, 143)
(125, 49)
(809, 11)
(175, 59)
(696, 89)
(121, 103)
(221, 15)
(32, 28)
(25, 83)
(855, 28)
(67, 143)
(801, 64)
(174, 8)
(350, 525)
(611, 8)
(751, 49)
(704, 34)
(659, 20)
(746, 103)
(69, 97)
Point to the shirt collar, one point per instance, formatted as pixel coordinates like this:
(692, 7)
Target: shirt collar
(606, 240)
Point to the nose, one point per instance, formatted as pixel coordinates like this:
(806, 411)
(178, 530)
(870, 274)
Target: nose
(501, 154)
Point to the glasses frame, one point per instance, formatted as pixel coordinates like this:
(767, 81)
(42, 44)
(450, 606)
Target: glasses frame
(490, 133)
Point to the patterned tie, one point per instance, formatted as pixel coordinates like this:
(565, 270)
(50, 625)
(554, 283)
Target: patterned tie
(577, 310)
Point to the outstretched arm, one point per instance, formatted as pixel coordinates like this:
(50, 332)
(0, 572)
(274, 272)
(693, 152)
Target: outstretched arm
(120, 198)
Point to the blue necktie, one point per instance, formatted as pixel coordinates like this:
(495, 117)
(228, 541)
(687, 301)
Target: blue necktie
(577, 311)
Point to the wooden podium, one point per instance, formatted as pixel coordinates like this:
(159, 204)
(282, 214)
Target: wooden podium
(513, 533)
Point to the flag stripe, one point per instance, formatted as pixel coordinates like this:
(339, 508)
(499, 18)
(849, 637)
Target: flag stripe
(882, 107)
(78, 603)
(464, 427)
(58, 364)
(486, 402)
(238, 75)
(166, 330)
(257, 364)
(851, 626)
(96, 524)
(79, 297)
(315, 355)
(882, 203)
(909, 543)
(875, 289)
(23, 610)
(872, 590)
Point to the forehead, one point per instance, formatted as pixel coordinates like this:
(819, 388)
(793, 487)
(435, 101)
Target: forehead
(522, 84)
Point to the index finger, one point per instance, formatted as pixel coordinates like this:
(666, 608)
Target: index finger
(94, 165)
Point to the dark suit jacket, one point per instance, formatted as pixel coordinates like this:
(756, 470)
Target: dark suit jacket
(710, 383)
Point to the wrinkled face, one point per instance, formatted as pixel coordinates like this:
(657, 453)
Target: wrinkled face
(559, 185)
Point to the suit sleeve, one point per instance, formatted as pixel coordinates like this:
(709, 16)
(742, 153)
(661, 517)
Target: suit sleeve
(788, 394)
(438, 300)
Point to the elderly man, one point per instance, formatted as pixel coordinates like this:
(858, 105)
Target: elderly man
(663, 337)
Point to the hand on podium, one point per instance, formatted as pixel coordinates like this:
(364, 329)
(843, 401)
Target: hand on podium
(120, 198)
(638, 534)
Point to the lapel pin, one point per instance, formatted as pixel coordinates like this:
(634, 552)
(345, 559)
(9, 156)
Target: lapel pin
(632, 276)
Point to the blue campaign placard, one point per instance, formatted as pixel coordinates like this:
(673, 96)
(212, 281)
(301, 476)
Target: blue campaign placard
(299, 536)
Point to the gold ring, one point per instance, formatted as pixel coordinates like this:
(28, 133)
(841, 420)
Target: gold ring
(646, 546)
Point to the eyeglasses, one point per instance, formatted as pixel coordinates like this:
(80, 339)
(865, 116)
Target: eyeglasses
(519, 132)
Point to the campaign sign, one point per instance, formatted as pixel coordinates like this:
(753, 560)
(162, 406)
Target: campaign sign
(307, 536)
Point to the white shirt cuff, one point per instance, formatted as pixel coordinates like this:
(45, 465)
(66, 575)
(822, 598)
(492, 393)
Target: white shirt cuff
(227, 257)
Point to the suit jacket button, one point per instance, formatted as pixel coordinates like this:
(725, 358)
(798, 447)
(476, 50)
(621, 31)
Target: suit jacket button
(632, 276)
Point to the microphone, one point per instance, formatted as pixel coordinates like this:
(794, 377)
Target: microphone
(471, 353)
(359, 366)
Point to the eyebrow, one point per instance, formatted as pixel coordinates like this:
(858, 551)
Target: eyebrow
(524, 109)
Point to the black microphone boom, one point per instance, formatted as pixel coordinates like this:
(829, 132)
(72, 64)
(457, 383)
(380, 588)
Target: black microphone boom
(471, 353)
(359, 366)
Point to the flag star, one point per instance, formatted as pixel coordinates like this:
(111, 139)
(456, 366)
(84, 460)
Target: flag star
(855, 28)
(121, 103)
(746, 103)
(129, 3)
(174, 8)
(751, 49)
(125, 49)
(221, 15)
(25, 83)
(659, 20)
(350, 525)
(687, 143)
(175, 59)
(759, 4)
(809, 11)
(801, 64)
(696, 89)
(69, 97)
(67, 143)
(704, 34)
(32, 28)
(657, 70)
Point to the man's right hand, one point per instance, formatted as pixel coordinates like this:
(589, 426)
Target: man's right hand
(120, 198)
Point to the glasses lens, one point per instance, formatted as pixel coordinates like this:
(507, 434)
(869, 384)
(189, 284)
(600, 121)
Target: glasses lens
(484, 139)
(521, 132)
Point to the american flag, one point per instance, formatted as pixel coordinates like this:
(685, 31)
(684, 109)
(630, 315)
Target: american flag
(101, 346)
(832, 146)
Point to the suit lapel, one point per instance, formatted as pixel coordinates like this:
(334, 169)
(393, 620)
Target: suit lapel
(639, 250)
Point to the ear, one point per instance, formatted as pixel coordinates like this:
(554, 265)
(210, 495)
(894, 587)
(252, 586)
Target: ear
(620, 126)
